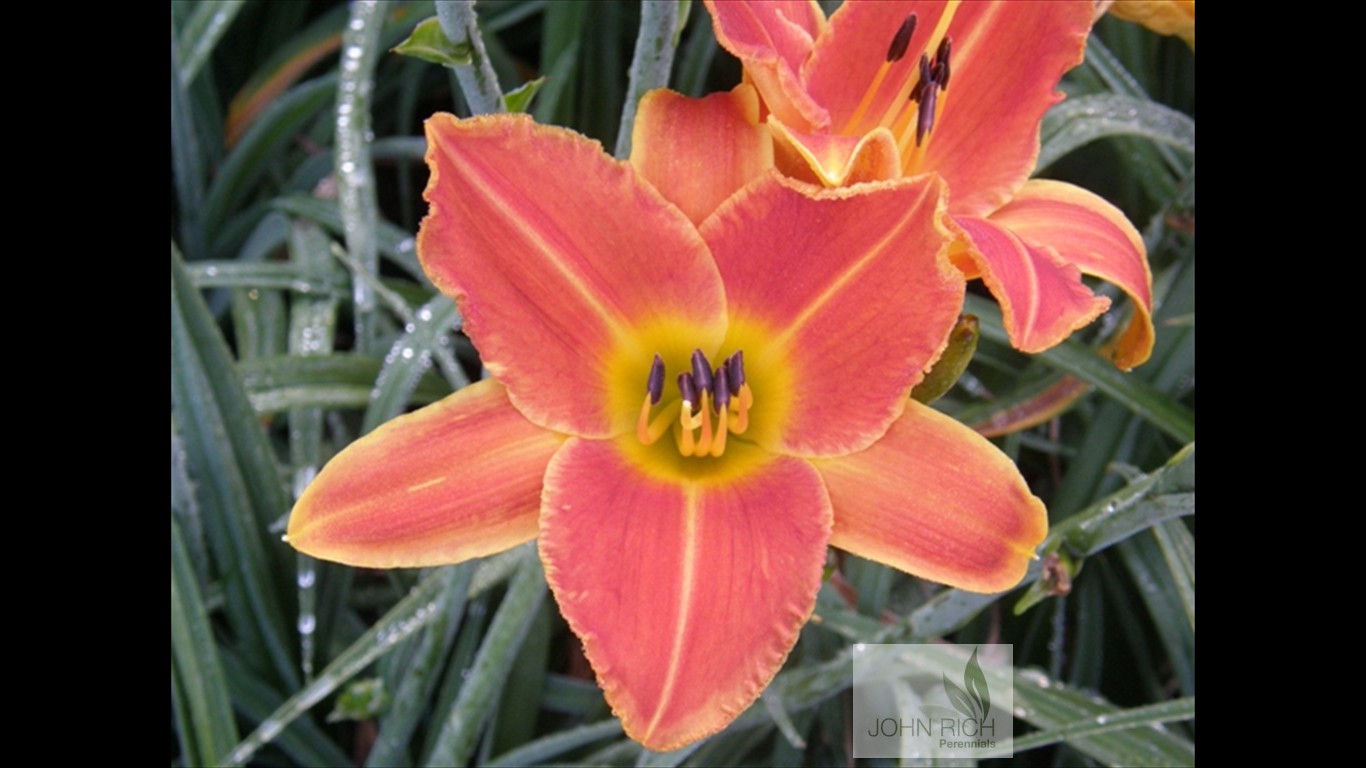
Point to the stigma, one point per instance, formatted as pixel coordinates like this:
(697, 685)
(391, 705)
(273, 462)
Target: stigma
(711, 404)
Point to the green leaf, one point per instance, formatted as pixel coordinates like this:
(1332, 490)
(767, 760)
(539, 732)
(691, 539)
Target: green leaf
(1178, 549)
(548, 748)
(420, 677)
(410, 614)
(429, 43)
(276, 129)
(329, 381)
(519, 99)
(1084, 119)
(466, 719)
(203, 30)
(1050, 705)
(1162, 495)
(237, 482)
(208, 729)
(1083, 362)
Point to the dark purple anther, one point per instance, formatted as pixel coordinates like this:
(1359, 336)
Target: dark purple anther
(902, 39)
(722, 389)
(701, 371)
(941, 63)
(735, 371)
(926, 118)
(925, 77)
(655, 384)
(688, 390)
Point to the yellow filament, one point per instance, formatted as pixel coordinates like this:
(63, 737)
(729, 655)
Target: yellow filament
(704, 443)
(683, 436)
(740, 405)
(718, 445)
(649, 431)
(903, 95)
(868, 96)
(643, 423)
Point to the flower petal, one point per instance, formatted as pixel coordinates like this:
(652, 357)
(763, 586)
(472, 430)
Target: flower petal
(773, 39)
(698, 152)
(1093, 234)
(937, 500)
(572, 272)
(1165, 17)
(1007, 60)
(688, 580)
(831, 358)
(1042, 297)
(835, 161)
(458, 479)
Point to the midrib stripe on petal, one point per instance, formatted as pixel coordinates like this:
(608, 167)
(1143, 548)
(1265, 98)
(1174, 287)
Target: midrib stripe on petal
(489, 188)
(685, 605)
(837, 284)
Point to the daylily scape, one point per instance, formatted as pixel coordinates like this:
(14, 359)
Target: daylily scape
(885, 90)
(686, 408)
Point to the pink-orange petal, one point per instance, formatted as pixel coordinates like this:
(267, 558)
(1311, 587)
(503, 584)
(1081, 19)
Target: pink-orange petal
(1093, 234)
(456, 480)
(687, 591)
(698, 152)
(937, 500)
(560, 257)
(835, 161)
(1007, 60)
(846, 58)
(1042, 297)
(840, 298)
(773, 39)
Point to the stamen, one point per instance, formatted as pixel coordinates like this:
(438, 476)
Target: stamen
(735, 370)
(901, 39)
(704, 442)
(712, 404)
(895, 52)
(925, 122)
(740, 409)
(722, 390)
(701, 371)
(688, 390)
(718, 445)
(654, 385)
(926, 76)
(941, 63)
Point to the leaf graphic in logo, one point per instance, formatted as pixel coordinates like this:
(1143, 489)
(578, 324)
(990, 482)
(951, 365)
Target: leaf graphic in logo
(958, 697)
(976, 683)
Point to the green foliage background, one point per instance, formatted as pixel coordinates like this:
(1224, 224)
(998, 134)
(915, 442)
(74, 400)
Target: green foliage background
(300, 320)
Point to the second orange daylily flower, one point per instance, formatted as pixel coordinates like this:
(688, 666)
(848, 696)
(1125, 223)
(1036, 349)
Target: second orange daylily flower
(885, 90)
(685, 414)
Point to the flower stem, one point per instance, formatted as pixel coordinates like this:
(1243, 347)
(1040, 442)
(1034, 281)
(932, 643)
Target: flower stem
(661, 21)
(478, 81)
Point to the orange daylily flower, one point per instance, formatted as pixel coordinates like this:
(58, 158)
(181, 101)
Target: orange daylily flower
(885, 90)
(686, 415)
(1165, 17)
